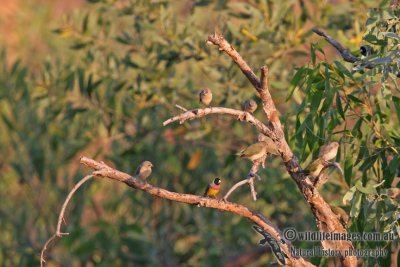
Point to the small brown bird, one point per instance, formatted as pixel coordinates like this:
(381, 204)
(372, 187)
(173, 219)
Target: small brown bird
(144, 170)
(205, 96)
(250, 105)
(328, 151)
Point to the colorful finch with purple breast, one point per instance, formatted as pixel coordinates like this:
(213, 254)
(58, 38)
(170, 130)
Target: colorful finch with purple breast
(213, 188)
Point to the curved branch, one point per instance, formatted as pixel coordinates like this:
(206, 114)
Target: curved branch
(249, 180)
(101, 169)
(201, 112)
(219, 40)
(345, 53)
(58, 233)
(347, 56)
(236, 186)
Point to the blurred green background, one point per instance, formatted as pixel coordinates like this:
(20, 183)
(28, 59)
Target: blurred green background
(97, 79)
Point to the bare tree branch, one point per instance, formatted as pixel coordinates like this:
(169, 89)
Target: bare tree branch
(201, 112)
(325, 218)
(181, 108)
(249, 180)
(345, 53)
(236, 186)
(58, 233)
(101, 169)
(223, 45)
(347, 56)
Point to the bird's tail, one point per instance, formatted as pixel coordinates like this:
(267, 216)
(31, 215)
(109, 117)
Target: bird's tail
(240, 153)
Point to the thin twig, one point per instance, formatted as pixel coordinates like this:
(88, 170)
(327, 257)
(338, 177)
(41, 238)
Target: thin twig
(249, 180)
(181, 108)
(264, 78)
(58, 233)
(345, 53)
(234, 187)
(252, 189)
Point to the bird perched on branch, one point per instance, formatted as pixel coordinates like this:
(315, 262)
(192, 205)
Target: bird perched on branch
(326, 153)
(250, 105)
(205, 96)
(256, 151)
(213, 188)
(366, 50)
(143, 170)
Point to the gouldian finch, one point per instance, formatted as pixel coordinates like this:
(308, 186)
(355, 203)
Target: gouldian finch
(250, 106)
(144, 170)
(205, 96)
(328, 151)
(213, 188)
(366, 50)
(258, 150)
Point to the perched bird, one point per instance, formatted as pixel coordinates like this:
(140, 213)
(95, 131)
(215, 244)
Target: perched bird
(213, 188)
(366, 50)
(205, 96)
(144, 170)
(250, 106)
(258, 150)
(315, 167)
(328, 151)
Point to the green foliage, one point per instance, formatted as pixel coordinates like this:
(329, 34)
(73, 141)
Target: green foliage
(359, 108)
(106, 97)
